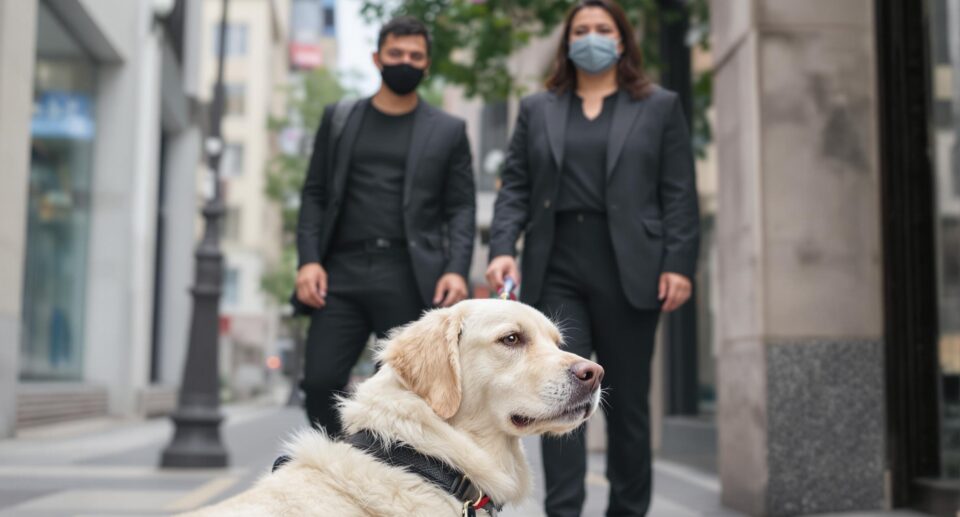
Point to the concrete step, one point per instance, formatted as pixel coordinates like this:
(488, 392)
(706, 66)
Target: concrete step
(47, 403)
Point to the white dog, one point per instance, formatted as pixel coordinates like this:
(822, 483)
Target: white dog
(461, 386)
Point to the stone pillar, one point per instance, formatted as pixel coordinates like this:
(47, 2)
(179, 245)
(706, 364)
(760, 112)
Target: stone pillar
(119, 299)
(800, 368)
(18, 25)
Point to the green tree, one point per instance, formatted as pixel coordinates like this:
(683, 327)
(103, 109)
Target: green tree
(474, 39)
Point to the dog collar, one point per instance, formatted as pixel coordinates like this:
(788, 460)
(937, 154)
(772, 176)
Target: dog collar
(439, 473)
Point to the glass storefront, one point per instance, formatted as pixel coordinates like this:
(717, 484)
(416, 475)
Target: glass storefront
(944, 79)
(58, 209)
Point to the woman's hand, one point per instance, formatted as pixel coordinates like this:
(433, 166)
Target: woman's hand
(501, 267)
(674, 291)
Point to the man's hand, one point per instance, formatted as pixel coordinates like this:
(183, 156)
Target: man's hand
(451, 288)
(674, 291)
(312, 285)
(500, 268)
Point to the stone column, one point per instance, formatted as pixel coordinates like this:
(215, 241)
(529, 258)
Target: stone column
(800, 368)
(18, 25)
(119, 298)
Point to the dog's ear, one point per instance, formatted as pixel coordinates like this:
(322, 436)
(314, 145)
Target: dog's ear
(426, 356)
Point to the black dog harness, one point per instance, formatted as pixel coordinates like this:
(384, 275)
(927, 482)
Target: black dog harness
(441, 474)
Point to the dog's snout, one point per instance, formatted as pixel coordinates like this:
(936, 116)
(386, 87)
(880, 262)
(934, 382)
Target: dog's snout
(588, 373)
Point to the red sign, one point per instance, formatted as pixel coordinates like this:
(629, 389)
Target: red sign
(224, 325)
(306, 56)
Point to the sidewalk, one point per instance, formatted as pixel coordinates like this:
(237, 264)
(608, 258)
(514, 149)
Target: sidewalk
(109, 467)
(106, 467)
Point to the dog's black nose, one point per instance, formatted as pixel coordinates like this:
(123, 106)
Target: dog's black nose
(588, 373)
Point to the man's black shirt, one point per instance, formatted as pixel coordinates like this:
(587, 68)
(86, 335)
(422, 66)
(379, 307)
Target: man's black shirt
(373, 202)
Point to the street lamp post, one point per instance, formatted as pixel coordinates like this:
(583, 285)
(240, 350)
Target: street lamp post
(196, 441)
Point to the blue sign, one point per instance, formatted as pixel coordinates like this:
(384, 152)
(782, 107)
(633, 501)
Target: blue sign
(63, 115)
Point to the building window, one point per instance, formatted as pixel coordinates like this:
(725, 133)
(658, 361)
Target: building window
(329, 18)
(231, 287)
(231, 163)
(236, 39)
(59, 196)
(944, 119)
(234, 98)
(305, 21)
(231, 224)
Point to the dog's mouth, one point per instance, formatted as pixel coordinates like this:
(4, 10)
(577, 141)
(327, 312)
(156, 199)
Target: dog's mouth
(575, 412)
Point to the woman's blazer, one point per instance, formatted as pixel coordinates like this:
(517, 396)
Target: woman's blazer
(651, 194)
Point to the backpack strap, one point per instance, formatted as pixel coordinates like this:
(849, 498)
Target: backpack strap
(341, 112)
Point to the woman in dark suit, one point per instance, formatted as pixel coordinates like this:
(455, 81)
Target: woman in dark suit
(599, 179)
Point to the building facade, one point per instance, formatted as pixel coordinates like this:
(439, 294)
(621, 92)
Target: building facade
(313, 34)
(255, 72)
(100, 146)
(838, 254)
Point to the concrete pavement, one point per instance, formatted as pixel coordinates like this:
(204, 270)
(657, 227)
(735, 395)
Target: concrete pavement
(108, 467)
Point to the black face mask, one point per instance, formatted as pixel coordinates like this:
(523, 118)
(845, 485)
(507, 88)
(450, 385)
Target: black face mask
(401, 79)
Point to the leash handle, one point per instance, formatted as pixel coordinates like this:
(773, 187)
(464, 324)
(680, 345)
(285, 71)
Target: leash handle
(506, 292)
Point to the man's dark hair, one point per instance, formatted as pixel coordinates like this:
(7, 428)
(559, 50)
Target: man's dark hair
(404, 26)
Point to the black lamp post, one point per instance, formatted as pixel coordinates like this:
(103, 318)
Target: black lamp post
(196, 441)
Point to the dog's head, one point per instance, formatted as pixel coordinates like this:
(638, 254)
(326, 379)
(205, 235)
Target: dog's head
(495, 364)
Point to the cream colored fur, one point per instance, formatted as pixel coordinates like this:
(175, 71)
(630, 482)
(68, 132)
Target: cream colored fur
(450, 386)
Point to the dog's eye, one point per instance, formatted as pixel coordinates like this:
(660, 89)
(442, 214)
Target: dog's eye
(511, 339)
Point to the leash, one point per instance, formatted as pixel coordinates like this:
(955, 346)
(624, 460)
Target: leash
(436, 471)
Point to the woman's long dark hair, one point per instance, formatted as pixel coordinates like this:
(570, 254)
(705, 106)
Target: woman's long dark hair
(630, 74)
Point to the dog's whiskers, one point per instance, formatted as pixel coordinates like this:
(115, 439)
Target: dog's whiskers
(603, 403)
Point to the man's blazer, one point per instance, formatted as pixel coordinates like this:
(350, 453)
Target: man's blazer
(439, 199)
(651, 194)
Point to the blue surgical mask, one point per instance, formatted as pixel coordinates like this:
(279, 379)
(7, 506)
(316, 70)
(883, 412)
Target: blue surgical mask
(594, 53)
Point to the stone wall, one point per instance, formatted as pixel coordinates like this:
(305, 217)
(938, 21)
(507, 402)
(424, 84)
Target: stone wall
(800, 366)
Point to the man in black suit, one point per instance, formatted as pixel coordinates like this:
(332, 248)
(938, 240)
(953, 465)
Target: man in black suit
(387, 219)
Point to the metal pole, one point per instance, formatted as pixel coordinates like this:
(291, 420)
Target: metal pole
(196, 441)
